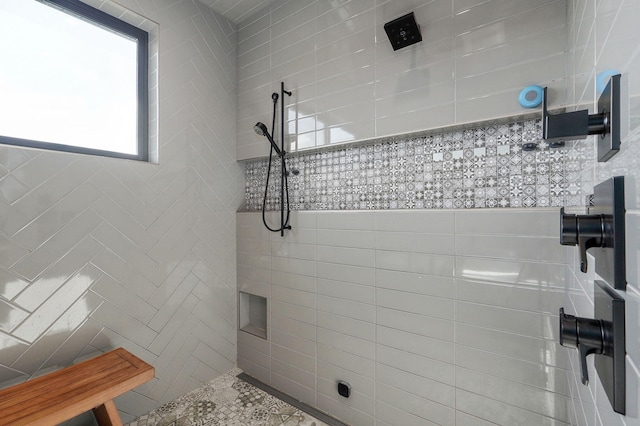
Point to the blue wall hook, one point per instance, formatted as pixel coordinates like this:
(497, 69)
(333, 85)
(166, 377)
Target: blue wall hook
(530, 96)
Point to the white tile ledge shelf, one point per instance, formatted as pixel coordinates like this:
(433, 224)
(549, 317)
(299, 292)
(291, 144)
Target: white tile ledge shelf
(536, 114)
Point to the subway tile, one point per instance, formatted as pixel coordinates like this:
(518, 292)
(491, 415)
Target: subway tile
(529, 373)
(415, 262)
(511, 272)
(346, 255)
(292, 311)
(394, 405)
(342, 410)
(352, 327)
(531, 324)
(408, 98)
(415, 364)
(332, 14)
(416, 283)
(498, 412)
(491, 83)
(346, 238)
(296, 343)
(357, 402)
(352, 345)
(292, 358)
(293, 251)
(542, 351)
(415, 343)
(543, 300)
(352, 30)
(417, 385)
(293, 374)
(346, 273)
(347, 291)
(55, 277)
(516, 395)
(415, 323)
(416, 303)
(413, 242)
(509, 14)
(436, 60)
(296, 297)
(294, 266)
(430, 117)
(350, 309)
(538, 223)
(413, 81)
(332, 373)
(292, 326)
(290, 387)
(335, 356)
(294, 281)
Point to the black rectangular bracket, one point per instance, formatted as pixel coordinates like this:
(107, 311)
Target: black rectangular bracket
(610, 365)
(608, 201)
(609, 105)
(558, 128)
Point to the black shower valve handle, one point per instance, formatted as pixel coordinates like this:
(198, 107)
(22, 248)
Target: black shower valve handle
(584, 231)
(587, 335)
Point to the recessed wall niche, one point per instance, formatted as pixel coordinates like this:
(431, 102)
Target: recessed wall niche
(253, 314)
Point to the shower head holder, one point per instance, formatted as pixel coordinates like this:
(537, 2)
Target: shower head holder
(557, 128)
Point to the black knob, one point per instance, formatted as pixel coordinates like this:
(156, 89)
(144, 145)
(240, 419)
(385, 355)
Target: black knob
(589, 336)
(585, 231)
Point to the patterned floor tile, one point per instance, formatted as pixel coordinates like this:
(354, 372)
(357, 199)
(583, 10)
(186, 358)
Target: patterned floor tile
(227, 401)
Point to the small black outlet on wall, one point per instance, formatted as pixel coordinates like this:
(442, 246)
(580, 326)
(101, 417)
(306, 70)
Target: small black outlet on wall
(344, 389)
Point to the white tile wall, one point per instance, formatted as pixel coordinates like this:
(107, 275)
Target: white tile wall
(100, 253)
(348, 84)
(604, 35)
(427, 324)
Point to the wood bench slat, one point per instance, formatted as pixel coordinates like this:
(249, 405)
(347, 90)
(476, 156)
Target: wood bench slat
(78, 376)
(66, 393)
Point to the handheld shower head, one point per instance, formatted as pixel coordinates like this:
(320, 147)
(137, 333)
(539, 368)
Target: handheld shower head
(261, 129)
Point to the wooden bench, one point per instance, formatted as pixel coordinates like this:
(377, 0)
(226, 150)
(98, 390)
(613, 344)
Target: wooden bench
(66, 393)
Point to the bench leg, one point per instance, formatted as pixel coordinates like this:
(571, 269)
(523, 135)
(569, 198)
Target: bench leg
(107, 414)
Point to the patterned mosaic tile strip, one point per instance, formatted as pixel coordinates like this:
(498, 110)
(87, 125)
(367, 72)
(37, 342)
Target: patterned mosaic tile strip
(475, 168)
(227, 401)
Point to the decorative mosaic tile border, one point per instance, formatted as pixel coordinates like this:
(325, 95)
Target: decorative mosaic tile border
(482, 167)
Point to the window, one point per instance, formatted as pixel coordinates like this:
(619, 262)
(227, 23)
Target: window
(73, 78)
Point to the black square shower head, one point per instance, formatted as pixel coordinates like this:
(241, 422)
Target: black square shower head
(403, 31)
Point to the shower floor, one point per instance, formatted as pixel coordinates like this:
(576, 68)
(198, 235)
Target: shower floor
(228, 401)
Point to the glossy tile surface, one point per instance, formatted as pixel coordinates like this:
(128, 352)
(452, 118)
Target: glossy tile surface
(99, 253)
(349, 85)
(600, 35)
(426, 325)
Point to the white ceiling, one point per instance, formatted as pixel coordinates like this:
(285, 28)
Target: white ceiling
(236, 10)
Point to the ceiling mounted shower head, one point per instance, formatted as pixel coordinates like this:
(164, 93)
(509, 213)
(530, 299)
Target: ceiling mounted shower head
(261, 129)
(403, 31)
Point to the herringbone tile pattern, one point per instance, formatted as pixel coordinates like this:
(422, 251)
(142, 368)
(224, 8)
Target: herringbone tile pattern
(99, 253)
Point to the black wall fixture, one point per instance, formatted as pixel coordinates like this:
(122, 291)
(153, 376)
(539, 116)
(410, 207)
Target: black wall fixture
(557, 128)
(603, 336)
(603, 230)
(403, 31)
(261, 129)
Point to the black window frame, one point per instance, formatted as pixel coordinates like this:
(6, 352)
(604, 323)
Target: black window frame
(111, 23)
